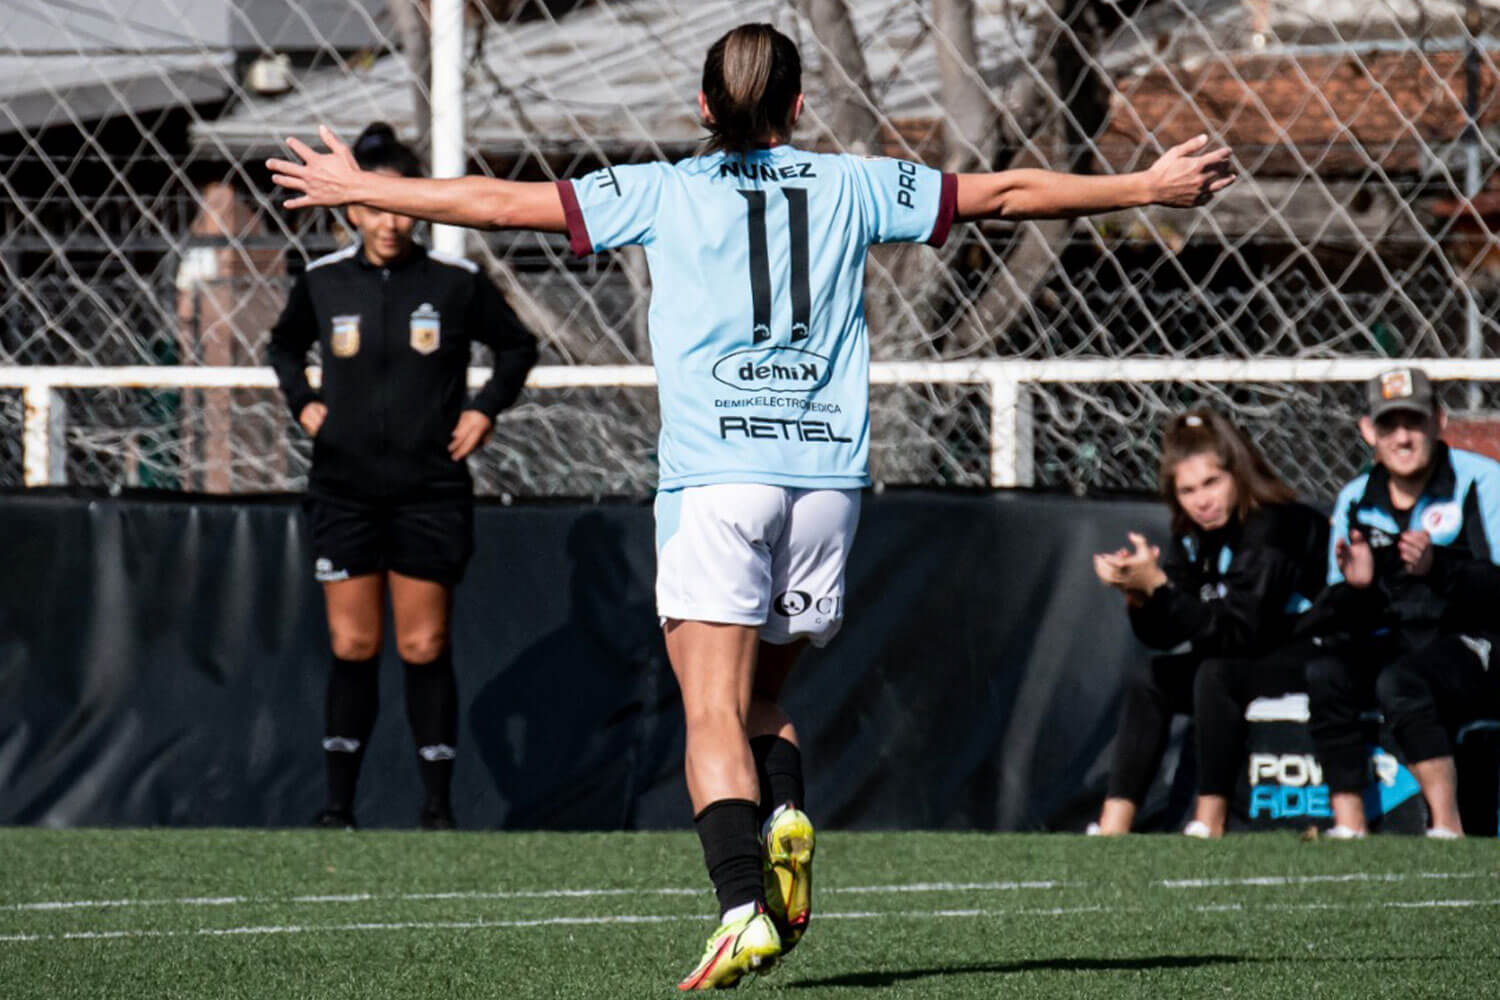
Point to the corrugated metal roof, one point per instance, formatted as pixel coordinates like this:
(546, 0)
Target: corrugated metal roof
(41, 91)
(614, 76)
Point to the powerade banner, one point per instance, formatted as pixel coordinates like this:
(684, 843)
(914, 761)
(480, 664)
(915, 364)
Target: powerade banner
(1282, 782)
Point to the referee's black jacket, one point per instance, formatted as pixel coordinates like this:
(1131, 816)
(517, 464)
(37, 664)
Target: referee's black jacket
(395, 354)
(1237, 590)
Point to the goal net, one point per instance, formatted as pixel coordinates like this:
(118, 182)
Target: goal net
(141, 228)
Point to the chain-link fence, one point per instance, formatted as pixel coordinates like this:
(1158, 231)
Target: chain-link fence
(140, 226)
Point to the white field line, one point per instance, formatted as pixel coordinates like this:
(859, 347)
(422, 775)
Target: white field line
(1061, 911)
(913, 887)
(1284, 880)
(366, 897)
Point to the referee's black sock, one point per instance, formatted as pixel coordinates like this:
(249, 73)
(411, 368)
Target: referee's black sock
(432, 709)
(348, 718)
(730, 835)
(778, 765)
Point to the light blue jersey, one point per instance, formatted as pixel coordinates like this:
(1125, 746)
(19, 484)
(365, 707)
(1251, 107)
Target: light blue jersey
(757, 305)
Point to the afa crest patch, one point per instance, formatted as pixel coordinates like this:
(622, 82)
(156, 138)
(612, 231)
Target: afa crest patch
(426, 329)
(344, 340)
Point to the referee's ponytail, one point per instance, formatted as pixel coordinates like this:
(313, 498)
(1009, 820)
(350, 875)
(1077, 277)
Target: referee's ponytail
(377, 148)
(751, 80)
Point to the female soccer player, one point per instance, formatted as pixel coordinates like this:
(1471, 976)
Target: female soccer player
(1243, 562)
(390, 500)
(756, 252)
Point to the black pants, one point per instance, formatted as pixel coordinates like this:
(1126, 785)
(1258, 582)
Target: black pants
(1215, 691)
(1424, 693)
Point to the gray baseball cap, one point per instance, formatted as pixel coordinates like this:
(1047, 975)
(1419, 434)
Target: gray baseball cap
(1401, 389)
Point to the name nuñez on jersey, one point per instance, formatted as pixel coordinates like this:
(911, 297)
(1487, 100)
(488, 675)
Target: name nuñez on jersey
(765, 171)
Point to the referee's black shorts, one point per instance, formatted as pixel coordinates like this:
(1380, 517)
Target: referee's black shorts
(428, 540)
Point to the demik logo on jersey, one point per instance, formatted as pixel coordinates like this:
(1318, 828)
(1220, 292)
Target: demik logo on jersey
(773, 369)
(1442, 521)
(344, 340)
(426, 329)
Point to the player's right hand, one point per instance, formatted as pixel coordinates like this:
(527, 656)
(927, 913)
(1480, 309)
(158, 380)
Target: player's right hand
(1355, 559)
(1182, 180)
(321, 179)
(311, 418)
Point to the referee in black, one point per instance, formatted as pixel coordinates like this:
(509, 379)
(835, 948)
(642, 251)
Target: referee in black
(390, 499)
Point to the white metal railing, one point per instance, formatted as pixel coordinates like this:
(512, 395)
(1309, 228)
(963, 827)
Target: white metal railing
(45, 421)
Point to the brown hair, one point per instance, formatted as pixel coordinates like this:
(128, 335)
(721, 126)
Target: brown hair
(751, 80)
(1203, 431)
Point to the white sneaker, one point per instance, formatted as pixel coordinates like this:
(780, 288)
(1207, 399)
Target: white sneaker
(1197, 829)
(1092, 830)
(1344, 833)
(1443, 833)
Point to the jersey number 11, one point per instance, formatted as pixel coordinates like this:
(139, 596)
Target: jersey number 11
(760, 263)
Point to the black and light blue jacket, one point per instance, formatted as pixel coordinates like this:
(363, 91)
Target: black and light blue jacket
(1237, 590)
(1459, 509)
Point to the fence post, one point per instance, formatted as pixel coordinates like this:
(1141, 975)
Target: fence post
(448, 124)
(1010, 432)
(43, 448)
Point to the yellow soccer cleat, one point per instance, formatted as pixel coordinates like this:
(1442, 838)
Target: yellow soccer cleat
(740, 946)
(788, 837)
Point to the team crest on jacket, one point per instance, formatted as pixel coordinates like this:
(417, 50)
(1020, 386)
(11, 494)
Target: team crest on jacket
(1442, 521)
(345, 337)
(426, 329)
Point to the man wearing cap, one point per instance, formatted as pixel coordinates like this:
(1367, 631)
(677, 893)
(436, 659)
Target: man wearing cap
(1405, 534)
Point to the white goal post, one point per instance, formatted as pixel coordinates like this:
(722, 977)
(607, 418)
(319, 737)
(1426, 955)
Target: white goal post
(44, 424)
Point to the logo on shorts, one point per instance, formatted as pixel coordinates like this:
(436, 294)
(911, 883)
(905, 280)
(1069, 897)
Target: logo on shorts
(324, 572)
(792, 603)
(773, 369)
(426, 329)
(344, 340)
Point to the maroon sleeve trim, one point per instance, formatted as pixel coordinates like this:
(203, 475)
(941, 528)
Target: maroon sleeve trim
(947, 210)
(578, 231)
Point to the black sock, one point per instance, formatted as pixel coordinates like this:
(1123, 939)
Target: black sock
(432, 710)
(731, 850)
(778, 765)
(348, 717)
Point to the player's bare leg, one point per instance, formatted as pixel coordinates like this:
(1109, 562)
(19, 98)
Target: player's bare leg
(715, 667)
(422, 610)
(715, 664)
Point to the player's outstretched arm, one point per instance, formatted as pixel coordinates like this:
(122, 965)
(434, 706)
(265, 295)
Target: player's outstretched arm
(333, 178)
(1179, 178)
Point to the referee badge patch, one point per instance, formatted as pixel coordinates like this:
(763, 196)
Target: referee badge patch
(344, 340)
(426, 329)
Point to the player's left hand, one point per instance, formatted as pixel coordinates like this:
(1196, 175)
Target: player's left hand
(472, 430)
(1182, 179)
(321, 179)
(1416, 552)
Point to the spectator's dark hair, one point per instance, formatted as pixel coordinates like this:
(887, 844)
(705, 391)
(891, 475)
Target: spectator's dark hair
(377, 148)
(1202, 431)
(751, 80)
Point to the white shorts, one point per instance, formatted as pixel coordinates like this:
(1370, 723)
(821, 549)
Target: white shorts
(749, 554)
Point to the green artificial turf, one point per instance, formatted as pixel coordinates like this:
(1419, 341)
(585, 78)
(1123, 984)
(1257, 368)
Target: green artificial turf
(234, 913)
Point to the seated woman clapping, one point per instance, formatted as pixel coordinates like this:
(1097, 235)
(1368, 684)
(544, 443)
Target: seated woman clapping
(1243, 561)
